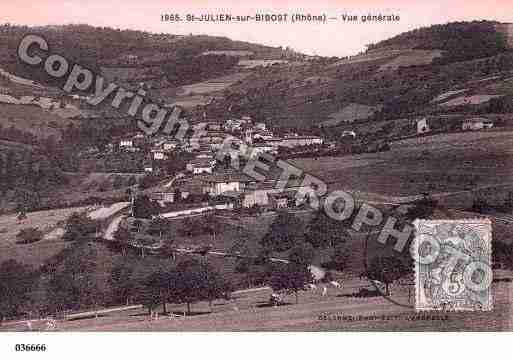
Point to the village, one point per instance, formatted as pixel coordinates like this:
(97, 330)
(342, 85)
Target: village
(274, 199)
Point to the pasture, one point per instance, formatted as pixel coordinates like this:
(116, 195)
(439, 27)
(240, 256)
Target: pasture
(36, 253)
(338, 311)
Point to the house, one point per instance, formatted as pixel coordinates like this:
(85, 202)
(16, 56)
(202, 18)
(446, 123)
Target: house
(422, 126)
(263, 135)
(297, 141)
(257, 194)
(126, 143)
(169, 145)
(256, 150)
(476, 123)
(214, 126)
(200, 165)
(205, 154)
(488, 124)
(349, 134)
(165, 197)
(283, 199)
(260, 126)
(221, 183)
(273, 142)
(159, 155)
(264, 193)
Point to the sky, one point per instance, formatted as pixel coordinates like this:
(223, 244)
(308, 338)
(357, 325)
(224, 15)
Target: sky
(334, 38)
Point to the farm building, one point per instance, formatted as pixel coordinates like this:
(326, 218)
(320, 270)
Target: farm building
(218, 184)
(200, 165)
(260, 193)
(423, 126)
(477, 123)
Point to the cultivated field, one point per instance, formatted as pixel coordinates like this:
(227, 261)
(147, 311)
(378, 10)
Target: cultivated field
(249, 64)
(412, 58)
(212, 85)
(469, 100)
(33, 119)
(465, 161)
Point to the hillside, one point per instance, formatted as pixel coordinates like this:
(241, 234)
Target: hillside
(112, 52)
(460, 41)
(431, 70)
(404, 77)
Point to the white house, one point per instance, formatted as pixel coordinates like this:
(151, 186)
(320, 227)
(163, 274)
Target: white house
(422, 126)
(126, 143)
(349, 133)
(260, 126)
(296, 141)
(159, 155)
(258, 149)
(200, 165)
(476, 123)
(218, 184)
(169, 146)
(264, 135)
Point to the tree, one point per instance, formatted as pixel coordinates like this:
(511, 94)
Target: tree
(145, 208)
(211, 224)
(117, 182)
(386, 270)
(29, 235)
(79, 227)
(156, 289)
(124, 238)
(283, 233)
(121, 281)
(16, 281)
(195, 281)
(159, 226)
(302, 254)
(138, 225)
(290, 278)
(168, 249)
(323, 231)
(76, 283)
(132, 181)
(339, 257)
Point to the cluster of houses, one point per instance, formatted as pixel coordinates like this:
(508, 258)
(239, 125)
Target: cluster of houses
(220, 187)
(468, 124)
(227, 190)
(251, 138)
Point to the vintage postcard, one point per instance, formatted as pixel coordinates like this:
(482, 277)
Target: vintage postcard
(230, 167)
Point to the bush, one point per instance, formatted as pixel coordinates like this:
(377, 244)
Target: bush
(29, 235)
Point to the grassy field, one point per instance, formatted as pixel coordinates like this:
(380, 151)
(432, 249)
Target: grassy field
(36, 253)
(412, 58)
(32, 119)
(446, 163)
(338, 311)
(211, 86)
